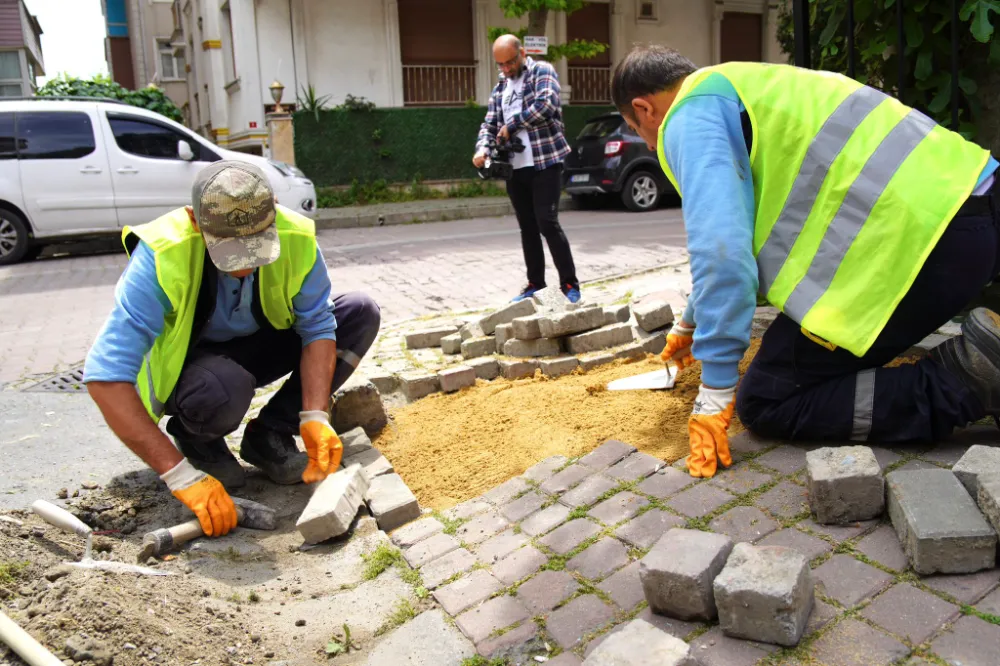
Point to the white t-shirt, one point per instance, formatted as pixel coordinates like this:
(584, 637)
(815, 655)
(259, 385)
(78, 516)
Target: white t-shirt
(512, 102)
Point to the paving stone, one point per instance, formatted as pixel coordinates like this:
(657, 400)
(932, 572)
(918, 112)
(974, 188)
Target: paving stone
(385, 382)
(633, 352)
(493, 615)
(417, 385)
(561, 324)
(910, 612)
(636, 466)
(416, 531)
(522, 562)
(569, 624)
(507, 491)
(744, 523)
(915, 465)
(564, 659)
(714, 648)
(647, 529)
(665, 483)
(391, 502)
(542, 471)
(848, 581)
(839, 532)
(354, 441)
(359, 404)
(698, 501)
(764, 594)
(566, 479)
(607, 454)
(967, 588)
(618, 507)
(467, 591)
(808, 545)
(883, 546)
(588, 491)
(545, 591)
(487, 368)
(372, 463)
(739, 479)
(785, 459)
(990, 603)
(426, 640)
(429, 550)
(467, 509)
(746, 442)
(785, 500)
(970, 642)
(592, 361)
(558, 367)
(599, 559)
(437, 572)
(821, 616)
(550, 299)
(517, 369)
(978, 460)
(673, 626)
(988, 498)
(938, 524)
(624, 587)
(854, 643)
(457, 378)
(507, 314)
(526, 328)
(885, 457)
(947, 453)
(514, 645)
(500, 546)
(545, 520)
(428, 337)
(601, 338)
(639, 643)
(845, 484)
(652, 315)
(569, 536)
(532, 348)
(481, 528)
(523, 506)
(451, 344)
(476, 347)
(678, 572)
(473, 329)
(616, 314)
(333, 505)
(503, 333)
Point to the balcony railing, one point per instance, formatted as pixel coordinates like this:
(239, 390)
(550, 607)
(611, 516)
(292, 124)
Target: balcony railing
(591, 85)
(438, 85)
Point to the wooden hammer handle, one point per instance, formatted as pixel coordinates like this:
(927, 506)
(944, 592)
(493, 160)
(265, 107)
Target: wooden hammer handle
(181, 534)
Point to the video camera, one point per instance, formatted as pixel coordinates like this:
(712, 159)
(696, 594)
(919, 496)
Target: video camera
(498, 157)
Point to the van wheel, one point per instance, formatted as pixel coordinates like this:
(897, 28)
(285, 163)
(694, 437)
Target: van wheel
(641, 191)
(13, 237)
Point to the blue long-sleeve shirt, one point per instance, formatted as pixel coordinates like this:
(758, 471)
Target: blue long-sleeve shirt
(706, 150)
(141, 305)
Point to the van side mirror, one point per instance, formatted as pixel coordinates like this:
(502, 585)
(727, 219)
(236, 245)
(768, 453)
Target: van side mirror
(184, 151)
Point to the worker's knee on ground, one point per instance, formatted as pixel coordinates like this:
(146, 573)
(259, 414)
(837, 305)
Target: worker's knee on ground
(213, 395)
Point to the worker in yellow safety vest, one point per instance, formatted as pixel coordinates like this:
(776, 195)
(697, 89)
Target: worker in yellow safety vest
(864, 222)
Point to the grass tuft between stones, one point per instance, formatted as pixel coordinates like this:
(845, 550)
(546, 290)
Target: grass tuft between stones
(403, 612)
(451, 525)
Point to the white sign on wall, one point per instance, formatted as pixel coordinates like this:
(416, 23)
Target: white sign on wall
(534, 45)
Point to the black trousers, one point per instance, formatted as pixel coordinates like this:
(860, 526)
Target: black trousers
(535, 197)
(798, 389)
(218, 381)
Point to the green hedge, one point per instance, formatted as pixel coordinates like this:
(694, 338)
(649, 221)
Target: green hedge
(398, 145)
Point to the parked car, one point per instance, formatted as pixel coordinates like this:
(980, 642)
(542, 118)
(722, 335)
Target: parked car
(73, 168)
(609, 158)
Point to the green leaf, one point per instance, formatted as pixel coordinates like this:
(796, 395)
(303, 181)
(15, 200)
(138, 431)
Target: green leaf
(995, 52)
(925, 65)
(941, 99)
(334, 648)
(968, 86)
(914, 31)
(832, 26)
(889, 3)
(982, 26)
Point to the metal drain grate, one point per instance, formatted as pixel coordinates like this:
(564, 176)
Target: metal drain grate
(70, 381)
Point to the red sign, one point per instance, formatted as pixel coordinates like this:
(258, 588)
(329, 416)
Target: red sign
(253, 124)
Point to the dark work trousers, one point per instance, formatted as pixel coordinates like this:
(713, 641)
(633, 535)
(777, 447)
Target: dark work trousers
(534, 194)
(798, 389)
(217, 383)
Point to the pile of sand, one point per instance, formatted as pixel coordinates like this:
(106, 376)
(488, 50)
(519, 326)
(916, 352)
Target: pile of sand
(450, 448)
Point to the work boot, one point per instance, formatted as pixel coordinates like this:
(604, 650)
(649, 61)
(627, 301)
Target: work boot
(215, 459)
(974, 357)
(274, 453)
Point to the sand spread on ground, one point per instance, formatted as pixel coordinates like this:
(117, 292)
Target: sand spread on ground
(450, 448)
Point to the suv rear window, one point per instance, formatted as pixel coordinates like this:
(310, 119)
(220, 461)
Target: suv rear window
(54, 135)
(600, 128)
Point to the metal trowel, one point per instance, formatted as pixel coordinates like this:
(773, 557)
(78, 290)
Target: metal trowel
(657, 380)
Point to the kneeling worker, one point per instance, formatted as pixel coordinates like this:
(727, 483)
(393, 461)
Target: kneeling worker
(218, 299)
(868, 225)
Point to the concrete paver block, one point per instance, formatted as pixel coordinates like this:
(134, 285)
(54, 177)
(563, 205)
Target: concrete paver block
(588, 492)
(570, 623)
(372, 463)
(513, 645)
(654, 343)
(592, 361)
(429, 549)
(853, 638)
(416, 385)
(652, 315)
(569, 536)
(988, 498)
(977, 461)
(883, 546)
(496, 548)
(938, 524)
(333, 505)
(532, 348)
(473, 329)
(678, 571)
(570, 323)
(519, 564)
(526, 328)
(391, 502)
(910, 612)
(547, 590)
(385, 382)
(457, 378)
(506, 491)
(437, 572)
(665, 483)
(631, 352)
(354, 441)
(601, 338)
(429, 337)
(607, 454)
(764, 593)
(476, 347)
(503, 333)
(466, 509)
(616, 314)
(845, 484)
(550, 299)
(641, 644)
(486, 367)
(849, 581)
(618, 507)
(557, 367)
(426, 640)
(359, 404)
(744, 523)
(545, 520)
(481, 528)
(647, 529)
(517, 369)
(624, 587)
(451, 344)
(636, 466)
(970, 641)
(416, 532)
(499, 613)
(566, 479)
(808, 545)
(599, 559)
(542, 471)
(467, 592)
(507, 314)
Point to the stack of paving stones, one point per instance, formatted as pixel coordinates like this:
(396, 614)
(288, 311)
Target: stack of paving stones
(546, 333)
(551, 562)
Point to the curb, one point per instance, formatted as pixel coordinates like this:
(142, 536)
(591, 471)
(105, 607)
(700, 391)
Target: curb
(331, 218)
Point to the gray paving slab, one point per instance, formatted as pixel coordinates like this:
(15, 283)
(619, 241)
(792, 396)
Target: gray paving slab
(607, 454)
(699, 501)
(618, 507)
(970, 642)
(467, 591)
(570, 623)
(739, 479)
(624, 587)
(665, 483)
(545, 520)
(909, 612)
(426, 640)
(588, 492)
(966, 588)
(853, 643)
(498, 613)
(714, 648)
(519, 564)
(569, 536)
(849, 581)
(785, 459)
(883, 546)
(500, 546)
(645, 530)
(546, 590)
(599, 559)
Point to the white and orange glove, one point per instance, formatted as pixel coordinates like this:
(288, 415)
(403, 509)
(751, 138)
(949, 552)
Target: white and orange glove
(707, 429)
(322, 445)
(204, 495)
(678, 349)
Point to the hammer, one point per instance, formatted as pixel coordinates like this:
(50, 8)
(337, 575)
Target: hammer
(248, 514)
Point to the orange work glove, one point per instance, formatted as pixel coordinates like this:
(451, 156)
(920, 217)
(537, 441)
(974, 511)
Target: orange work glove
(678, 347)
(204, 495)
(322, 445)
(713, 410)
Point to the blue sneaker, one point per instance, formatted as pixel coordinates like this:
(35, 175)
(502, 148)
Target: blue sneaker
(528, 291)
(572, 293)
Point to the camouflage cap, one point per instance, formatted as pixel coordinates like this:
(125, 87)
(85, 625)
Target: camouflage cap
(234, 207)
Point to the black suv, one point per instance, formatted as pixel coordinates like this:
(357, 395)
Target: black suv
(608, 157)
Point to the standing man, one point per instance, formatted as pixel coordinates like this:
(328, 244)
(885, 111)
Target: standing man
(868, 225)
(525, 104)
(220, 298)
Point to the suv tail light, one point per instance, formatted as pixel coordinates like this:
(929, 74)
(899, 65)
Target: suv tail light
(612, 148)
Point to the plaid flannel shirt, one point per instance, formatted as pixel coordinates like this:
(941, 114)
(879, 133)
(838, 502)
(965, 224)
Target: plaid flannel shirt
(541, 115)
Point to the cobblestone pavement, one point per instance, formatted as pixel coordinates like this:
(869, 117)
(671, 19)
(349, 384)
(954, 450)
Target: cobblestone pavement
(53, 308)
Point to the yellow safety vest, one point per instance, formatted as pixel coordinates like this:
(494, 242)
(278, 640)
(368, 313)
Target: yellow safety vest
(852, 190)
(179, 252)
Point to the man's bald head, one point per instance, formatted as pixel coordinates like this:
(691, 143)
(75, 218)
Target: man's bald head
(509, 55)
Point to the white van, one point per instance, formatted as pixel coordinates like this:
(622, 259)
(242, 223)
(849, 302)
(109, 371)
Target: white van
(72, 168)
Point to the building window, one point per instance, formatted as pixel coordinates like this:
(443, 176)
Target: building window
(647, 11)
(171, 60)
(10, 74)
(228, 55)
